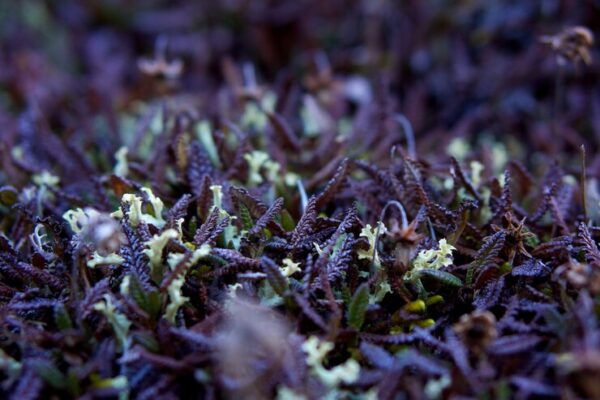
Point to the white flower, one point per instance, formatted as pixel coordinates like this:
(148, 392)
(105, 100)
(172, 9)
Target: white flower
(290, 268)
(111, 259)
(432, 259)
(370, 233)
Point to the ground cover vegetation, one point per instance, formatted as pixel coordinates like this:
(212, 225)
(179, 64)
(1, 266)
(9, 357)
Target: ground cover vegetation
(299, 200)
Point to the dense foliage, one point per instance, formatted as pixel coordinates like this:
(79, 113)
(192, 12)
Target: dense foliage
(388, 199)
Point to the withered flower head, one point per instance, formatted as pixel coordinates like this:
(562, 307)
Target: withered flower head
(477, 330)
(517, 232)
(104, 233)
(576, 273)
(572, 44)
(407, 235)
(158, 65)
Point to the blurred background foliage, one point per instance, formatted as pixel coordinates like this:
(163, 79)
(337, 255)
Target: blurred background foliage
(453, 68)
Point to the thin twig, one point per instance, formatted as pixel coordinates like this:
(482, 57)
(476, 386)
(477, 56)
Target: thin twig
(583, 184)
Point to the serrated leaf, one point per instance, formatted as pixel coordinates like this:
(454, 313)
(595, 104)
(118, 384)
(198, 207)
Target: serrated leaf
(489, 294)
(530, 268)
(358, 306)
(441, 276)
(246, 218)
(486, 255)
(514, 344)
(274, 276)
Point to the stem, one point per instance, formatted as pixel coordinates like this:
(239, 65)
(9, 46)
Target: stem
(463, 223)
(403, 217)
(431, 231)
(400, 207)
(249, 75)
(303, 197)
(410, 136)
(583, 185)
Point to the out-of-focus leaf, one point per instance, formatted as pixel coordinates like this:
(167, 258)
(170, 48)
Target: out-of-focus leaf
(358, 307)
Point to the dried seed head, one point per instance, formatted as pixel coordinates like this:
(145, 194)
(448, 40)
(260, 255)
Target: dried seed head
(104, 233)
(477, 330)
(576, 273)
(572, 44)
(159, 66)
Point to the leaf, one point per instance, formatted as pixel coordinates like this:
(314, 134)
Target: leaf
(514, 344)
(487, 254)
(29, 387)
(488, 296)
(267, 217)
(334, 185)
(49, 373)
(338, 265)
(283, 131)
(135, 258)
(179, 210)
(530, 268)
(240, 196)
(442, 276)
(461, 177)
(425, 365)
(553, 249)
(358, 306)
(310, 312)
(532, 386)
(377, 355)
(62, 318)
(505, 203)
(306, 223)
(154, 304)
(287, 222)
(589, 245)
(244, 215)
(274, 276)
(459, 354)
(137, 292)
(199, 166)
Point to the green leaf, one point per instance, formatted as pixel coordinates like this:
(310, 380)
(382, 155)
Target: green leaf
(358, 306)
(287, 222)
(441, 276)
(246, 218)
(147, 340)
(62, 318)
(50, 374)
(72, 384)
(148, 301)
(137, 293)
(154, 304)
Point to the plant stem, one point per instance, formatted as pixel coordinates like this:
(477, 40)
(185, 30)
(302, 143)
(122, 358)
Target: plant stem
(583, 185)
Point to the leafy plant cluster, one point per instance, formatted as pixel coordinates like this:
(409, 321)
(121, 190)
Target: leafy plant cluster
(295, 241)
